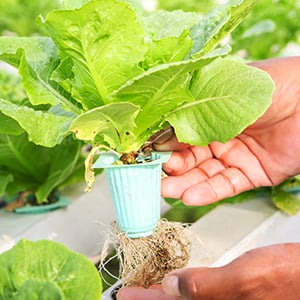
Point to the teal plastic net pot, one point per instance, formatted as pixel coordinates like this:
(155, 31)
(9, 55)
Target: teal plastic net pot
(135, 191)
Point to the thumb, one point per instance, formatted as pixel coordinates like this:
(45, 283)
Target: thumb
(199, 283)
(166, 140)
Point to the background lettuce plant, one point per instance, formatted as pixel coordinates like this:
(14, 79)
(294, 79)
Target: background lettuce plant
(47, 270)
(25, 166)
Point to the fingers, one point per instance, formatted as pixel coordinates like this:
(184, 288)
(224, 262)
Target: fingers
(194, 283)
(199, 283)
(203, 185)
(238, 153)
(225, 184)
(186, 159)
(166, 140)
(202, 175)
(138, 293)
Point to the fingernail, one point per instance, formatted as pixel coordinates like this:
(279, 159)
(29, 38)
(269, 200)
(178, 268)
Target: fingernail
(163, 136)
(170, 285)
(166, 169)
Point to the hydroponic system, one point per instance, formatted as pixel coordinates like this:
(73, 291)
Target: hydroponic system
(88, 87)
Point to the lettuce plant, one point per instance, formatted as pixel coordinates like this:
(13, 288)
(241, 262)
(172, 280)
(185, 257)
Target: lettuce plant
(114, 76)
(26, 166)
(47, 270)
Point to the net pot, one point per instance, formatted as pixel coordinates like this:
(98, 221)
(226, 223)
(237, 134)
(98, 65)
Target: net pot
(135, 191)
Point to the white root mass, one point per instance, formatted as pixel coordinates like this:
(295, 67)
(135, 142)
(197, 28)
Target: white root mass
(145, 261)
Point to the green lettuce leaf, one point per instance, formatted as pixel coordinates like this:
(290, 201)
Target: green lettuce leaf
(158, 91)
(106, 43)
(5, 179)
(9, 126)
(47, 270)
(35, 289)
(225, 102)
(36, 58)
(216, 106)
(112, 124)
(18, 158)
(64, 159)
(30, 119)
(162, 24)
(166, 50)
(16, 111)
(12, 90)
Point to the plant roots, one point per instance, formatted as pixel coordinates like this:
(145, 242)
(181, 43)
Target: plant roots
(145, 261)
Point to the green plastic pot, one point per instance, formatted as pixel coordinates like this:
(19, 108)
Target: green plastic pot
(135, 191)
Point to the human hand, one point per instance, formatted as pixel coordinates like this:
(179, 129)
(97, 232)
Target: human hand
(264, 154)
(270, 272)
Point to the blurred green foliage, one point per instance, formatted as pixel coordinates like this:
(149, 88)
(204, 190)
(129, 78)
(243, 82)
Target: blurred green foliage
(202, 6)
(18, 16)
(190, 214)
(268, 29)
(11, 87)
(264, 33)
